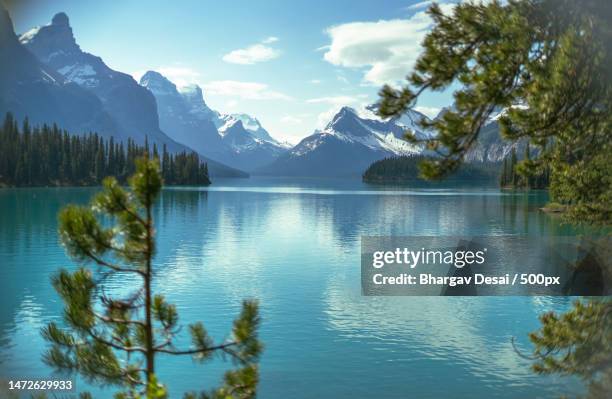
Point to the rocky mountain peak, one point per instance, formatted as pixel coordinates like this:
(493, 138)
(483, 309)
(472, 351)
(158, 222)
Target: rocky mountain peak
(192, 93)
(346, 111)
(233, 126)
(57, 35)
(158, 83)
(346, 121)
(60, 19)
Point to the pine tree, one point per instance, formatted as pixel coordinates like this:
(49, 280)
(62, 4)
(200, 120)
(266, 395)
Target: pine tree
(155, 153)
(514, 177)
(165, 162)
(527, 180)
(547, 62)
(100, 161)
(504, 177)
(579, 343)
(116, 340)
(46, 155)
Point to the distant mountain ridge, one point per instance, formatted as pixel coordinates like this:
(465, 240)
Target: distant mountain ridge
(348, 144)
(133, 108)
(354, 139)
(237, 140)
(77, 90)
(184, 121)
(30, 88)
(490, 146)
(51, 79)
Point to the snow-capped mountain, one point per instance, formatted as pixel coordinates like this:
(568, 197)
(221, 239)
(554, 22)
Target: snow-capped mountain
(194, 98)
(238, 140)
(250, 150)
(490, 146)
(184, 117)
(249, 123)
(30, 88)
(349, 143)
(132, 109)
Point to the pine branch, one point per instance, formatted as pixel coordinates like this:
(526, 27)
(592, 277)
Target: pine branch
(118, 321)
(199, 350)
(111, 266)
(116, 346)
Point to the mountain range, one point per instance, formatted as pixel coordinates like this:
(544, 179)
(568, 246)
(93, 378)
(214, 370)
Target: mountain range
(30, 88)
(237, 140)
(51, 79)
(348, 144)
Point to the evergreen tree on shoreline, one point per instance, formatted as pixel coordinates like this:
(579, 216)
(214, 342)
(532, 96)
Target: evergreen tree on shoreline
(115, 340)
(546, 63)
(47, 156)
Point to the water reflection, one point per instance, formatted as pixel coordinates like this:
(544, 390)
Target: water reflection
(295, 245)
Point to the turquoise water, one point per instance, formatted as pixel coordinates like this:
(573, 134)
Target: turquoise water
(295, 246)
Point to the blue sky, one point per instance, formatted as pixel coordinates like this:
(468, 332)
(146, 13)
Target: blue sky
(291, 64)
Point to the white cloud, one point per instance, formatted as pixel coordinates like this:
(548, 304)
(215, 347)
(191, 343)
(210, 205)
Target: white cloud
(180, 76)
(431, 112)
(253, 54)
(333, 100)
(243, 90)
(232, 104)
(315, 81)
(422, 4)
(387, 49)
(269, 40)
(342, 79)
(290, 120)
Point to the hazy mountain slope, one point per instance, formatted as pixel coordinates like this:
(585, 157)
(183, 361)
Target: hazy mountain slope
(28, 88)
(180, 119)
(186, 117)
(130, 109)
(248, 151)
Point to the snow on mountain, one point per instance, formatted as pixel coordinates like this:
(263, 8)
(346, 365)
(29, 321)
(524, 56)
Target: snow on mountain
(349, 143)
(249, 123)
(408, 121)
(194, 98)
(242, 138)
(30, 88)
(373, 132)
(353, 139)
(83, 75)
(178, 116)
(131, 107)
(238, 140)
(250, 144)
(54, 44)
(490, 146)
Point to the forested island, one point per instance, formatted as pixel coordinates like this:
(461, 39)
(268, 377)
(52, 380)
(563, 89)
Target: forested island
(406, 169)
(49, 156)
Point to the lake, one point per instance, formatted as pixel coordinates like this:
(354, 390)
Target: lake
(295, 246)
